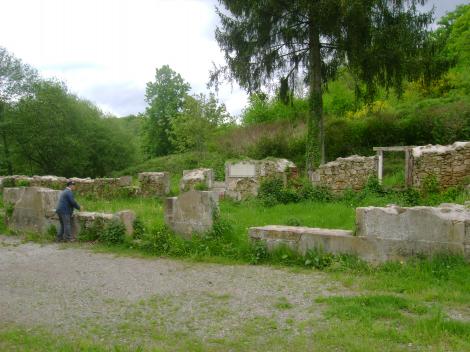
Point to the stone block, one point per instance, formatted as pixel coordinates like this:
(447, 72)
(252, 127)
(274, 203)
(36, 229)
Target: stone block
(243, 178)
(154, 183)
(191, 212)
(432, 224)
(31, 209)
(191, 178)
(125, 181)
(127, 217)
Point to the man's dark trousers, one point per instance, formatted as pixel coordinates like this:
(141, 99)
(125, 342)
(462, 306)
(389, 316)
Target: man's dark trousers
(65, 230)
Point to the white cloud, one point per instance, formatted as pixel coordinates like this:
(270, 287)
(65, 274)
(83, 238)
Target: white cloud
(106, 50)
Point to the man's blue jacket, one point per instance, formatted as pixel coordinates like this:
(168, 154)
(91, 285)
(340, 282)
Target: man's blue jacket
(66, 202)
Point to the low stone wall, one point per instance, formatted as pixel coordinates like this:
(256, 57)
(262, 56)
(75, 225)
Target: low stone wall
(343, 173)
(191, 212)
(389, 233)
(33, 210)
(154, 183)
(243, 178)
(192, 178)
(449, 164)
(85, 220)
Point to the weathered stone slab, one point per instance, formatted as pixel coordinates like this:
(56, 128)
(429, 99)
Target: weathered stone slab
(445, 223)
(243, 178)
(242, 169)
(125, 181)
(389, 233)
(31, 208)
(127, 217)
(191, 178)
(11, 195)
(191, 212)
(154, 183)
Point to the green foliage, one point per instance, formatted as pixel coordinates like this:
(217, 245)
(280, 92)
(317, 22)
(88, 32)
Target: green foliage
(9, 182)
(139, 228)
(93, 232)
(114, 233)
(165, 97)
(23, 183)
(430, 185)
(75, 138)
(9, 209)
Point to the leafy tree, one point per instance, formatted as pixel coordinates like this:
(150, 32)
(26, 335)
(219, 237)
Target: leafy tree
(379, 41)
(16, 79)
(165, 97)
(197, 122)
(56, 133)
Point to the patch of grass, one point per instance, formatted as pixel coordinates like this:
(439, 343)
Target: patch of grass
(282, 304)
(389, 322)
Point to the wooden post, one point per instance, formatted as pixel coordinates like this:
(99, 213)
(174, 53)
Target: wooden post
(380, 161)
(408, 167)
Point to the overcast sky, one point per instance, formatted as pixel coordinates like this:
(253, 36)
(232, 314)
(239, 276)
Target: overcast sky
(106, 50)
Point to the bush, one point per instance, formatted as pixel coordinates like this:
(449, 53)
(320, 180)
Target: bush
(139, 228)
(114, 233)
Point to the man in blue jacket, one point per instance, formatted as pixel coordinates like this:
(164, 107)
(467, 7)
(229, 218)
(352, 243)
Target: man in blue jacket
(65, 210)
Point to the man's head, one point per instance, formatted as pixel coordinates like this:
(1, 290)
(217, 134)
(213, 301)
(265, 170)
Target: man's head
(70, 184)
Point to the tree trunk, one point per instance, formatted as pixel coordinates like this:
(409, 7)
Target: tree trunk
(6, 150)
(315, 129)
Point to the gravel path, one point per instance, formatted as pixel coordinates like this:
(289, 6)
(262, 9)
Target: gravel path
(65, 288)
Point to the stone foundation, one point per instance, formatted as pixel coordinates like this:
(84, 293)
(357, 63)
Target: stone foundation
(343, 173)
(154, 183)
(449, 164)
(243, 178)
(33, 210)
(390, 233)
(191, 212)
(192, 178)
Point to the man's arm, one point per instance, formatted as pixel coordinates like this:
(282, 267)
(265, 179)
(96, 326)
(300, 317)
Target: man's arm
(72, 201)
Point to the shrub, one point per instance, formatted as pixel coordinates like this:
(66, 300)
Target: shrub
(114, 233)
(139, 228)
(316, 193)
(430, 185)
(93, 232)
(293, 222)
(318, 259)
(258, 253)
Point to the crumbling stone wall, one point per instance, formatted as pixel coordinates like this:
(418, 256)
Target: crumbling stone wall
(388, 233)
(243, 178)
(99, 187)
(191, 178)
(33, 210)
(343, 173)
(154, 183)
(191, 212)
(449, 164)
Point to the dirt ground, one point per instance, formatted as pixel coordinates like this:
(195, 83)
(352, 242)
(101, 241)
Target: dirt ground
(69, 289)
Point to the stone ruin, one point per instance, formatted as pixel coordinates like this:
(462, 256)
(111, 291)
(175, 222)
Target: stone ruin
(191, 212)
(154, 183)
(197, 177)
(243, 178)
(151, 184)
(449, 164)
(343, 173)
(389, 233)
(32, 209)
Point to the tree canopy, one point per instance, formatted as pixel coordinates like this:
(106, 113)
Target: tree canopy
(379, 41)
(165, 97)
